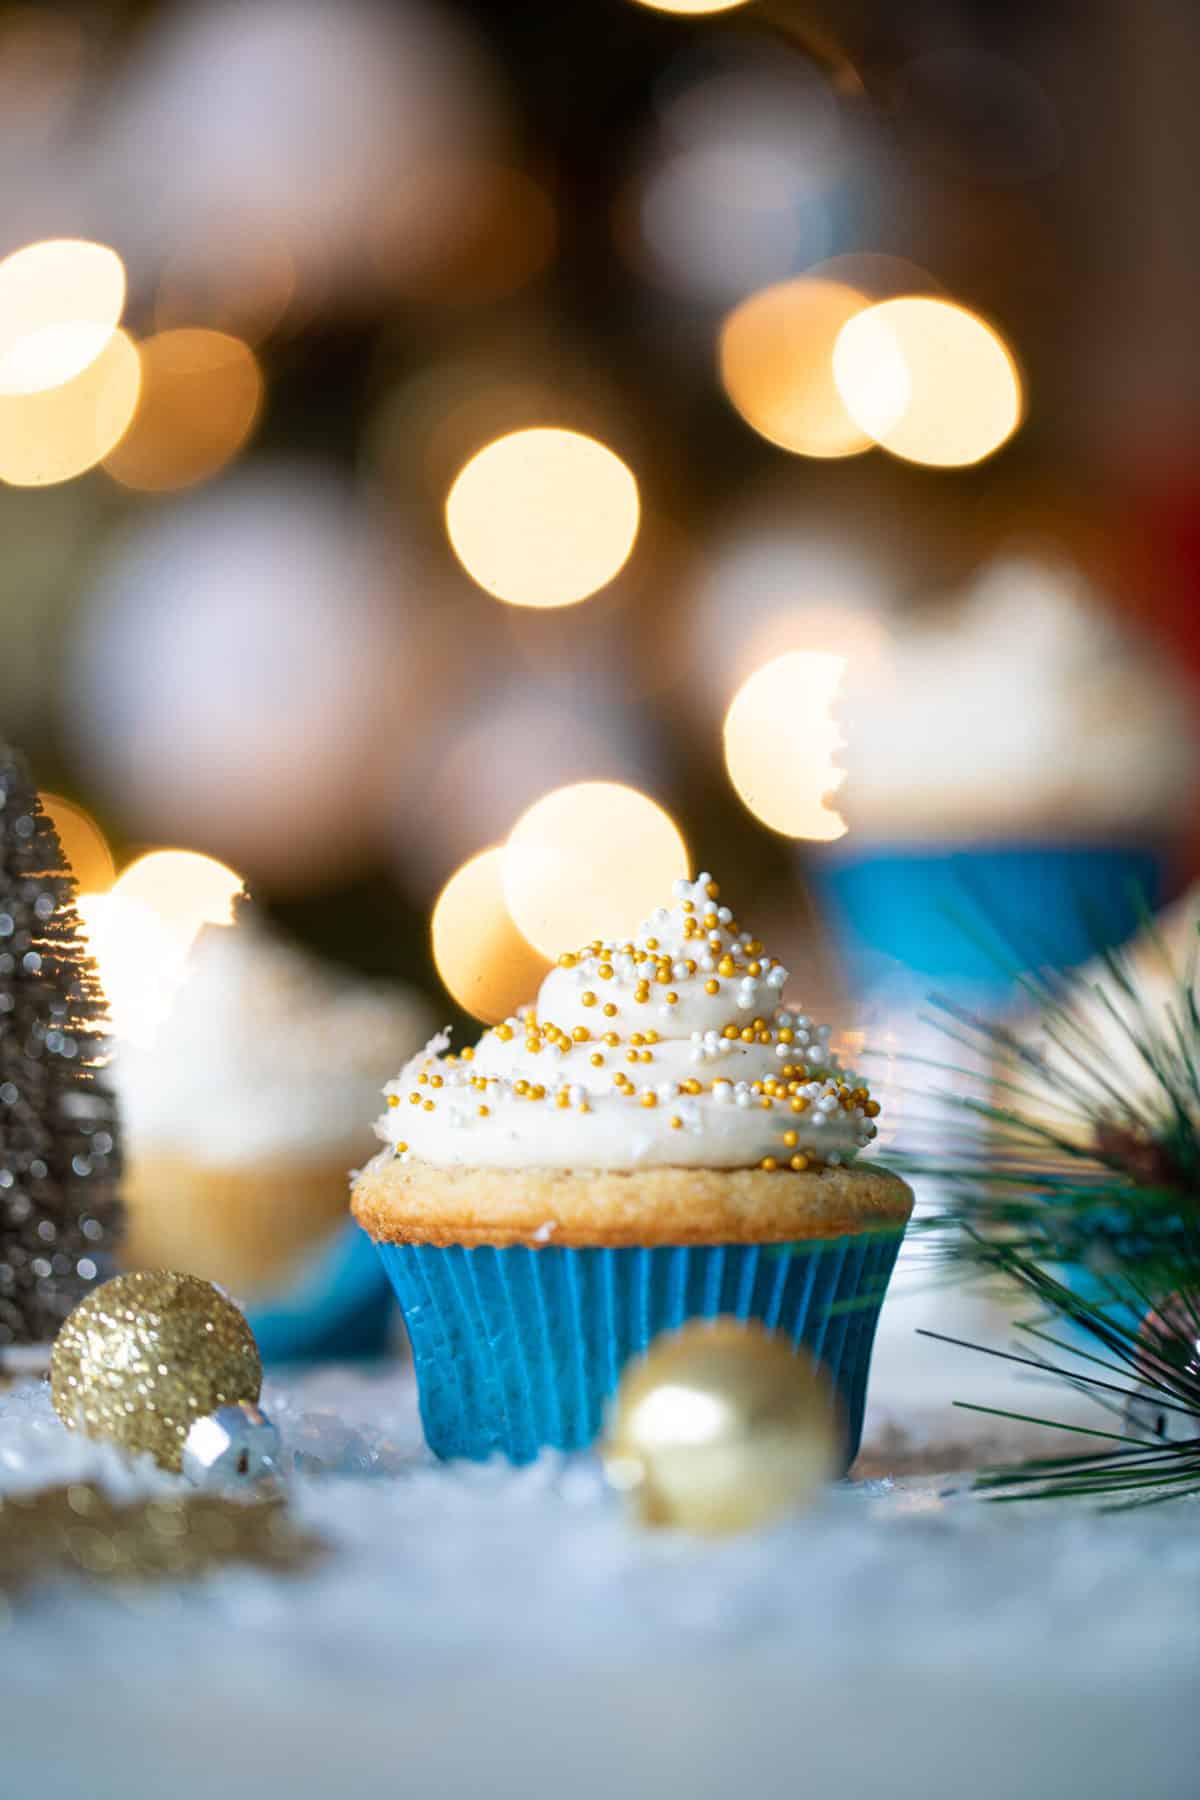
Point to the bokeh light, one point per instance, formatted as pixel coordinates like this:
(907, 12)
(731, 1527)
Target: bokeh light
(240, 676)
(184, 889)
(591, 860)
(201, 393)
(928, 380)
(693, 7)
(483, 960)
(781, 739)
(141, 961)
(84, 844)
(776, 361)
(53, 434)
(543, 517)
(60, 302)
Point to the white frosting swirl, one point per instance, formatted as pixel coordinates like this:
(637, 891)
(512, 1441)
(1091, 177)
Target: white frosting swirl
(670, 1049)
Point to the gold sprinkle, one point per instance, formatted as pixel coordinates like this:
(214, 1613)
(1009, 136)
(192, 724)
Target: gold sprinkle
(587, 998)
(568, 960)
(520, 1087)
(605, 971)
(414, 1099)
(791, 1139)
(468, 1055)
(422, 1080)
(393, 1099)
(799, 1162)
(649, 1099)
(769, 1164)
(596, 1060)
(428, 1105)
(581, 1034)
(713, 890)
(436, 1081)
(799, 1104)
(676, 1122)
(712, 987)
(483, 1112)
(652, 943)
(610, 1011)
(611, 1039)
(401, 1148)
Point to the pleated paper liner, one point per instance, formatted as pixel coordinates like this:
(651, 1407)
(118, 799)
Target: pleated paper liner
(518, 1350)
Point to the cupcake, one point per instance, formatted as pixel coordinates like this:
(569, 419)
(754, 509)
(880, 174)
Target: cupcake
(657, 1139)
(1019, 770)
(241, 1119)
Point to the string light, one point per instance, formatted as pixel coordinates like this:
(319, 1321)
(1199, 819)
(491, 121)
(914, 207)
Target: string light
(60, 302)
(691, 7)
(184, 889)
(630, 848)
(52, 434)
(543, 517)
(84, 845)
(780, 743)
(776, 362)
(928, 380)
(482, 959)
(201, 392)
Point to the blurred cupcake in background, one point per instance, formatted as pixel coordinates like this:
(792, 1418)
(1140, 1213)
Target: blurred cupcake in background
(243, 1116)
(1020, 770)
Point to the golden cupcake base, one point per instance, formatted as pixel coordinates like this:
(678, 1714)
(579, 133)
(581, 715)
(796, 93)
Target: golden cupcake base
(246, 1227)
(417, 1203)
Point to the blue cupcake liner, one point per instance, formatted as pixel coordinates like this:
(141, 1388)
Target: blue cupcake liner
(518, 1350)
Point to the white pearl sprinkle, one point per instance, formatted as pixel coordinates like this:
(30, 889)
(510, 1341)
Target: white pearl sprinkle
(783, 1051)
(724, 915)
(744, 1099)
(679, 971)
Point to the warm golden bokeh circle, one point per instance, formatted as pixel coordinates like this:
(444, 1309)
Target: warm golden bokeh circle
(928, 380)
(543, 517)
(84, 845)
(780, 742)
(776, 362)
(53, 434)
(483, 960)
(60, 302)
(200, 398)
(185, 889)
(590, 860)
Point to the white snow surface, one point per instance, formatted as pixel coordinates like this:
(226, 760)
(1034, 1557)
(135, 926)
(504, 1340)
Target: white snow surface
(484, 1631)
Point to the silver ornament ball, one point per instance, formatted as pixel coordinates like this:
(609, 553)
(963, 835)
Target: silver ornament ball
(233, 1444)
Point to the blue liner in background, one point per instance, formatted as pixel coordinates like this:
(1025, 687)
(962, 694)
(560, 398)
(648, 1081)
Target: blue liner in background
(518, 1350)
(961, 914)
(340, 1306)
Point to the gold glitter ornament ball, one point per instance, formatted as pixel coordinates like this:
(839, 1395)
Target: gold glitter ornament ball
(146, 1355)
(721, 1427)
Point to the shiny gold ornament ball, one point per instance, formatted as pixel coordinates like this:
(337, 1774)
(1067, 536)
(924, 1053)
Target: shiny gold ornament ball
(146, 1355)
(721, 1427)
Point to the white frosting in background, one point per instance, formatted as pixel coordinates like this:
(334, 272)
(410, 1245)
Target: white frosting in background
(633, 1068)
(265, 1054)
(1028, 708)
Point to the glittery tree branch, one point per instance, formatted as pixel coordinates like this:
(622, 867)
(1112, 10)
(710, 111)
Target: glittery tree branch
(59, 1157)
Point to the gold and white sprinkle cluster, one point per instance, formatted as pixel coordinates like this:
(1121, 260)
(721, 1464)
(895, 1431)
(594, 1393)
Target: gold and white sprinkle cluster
(672, 1047)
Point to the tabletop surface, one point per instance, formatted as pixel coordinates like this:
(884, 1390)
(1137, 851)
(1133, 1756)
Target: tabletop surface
(479, 1630)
